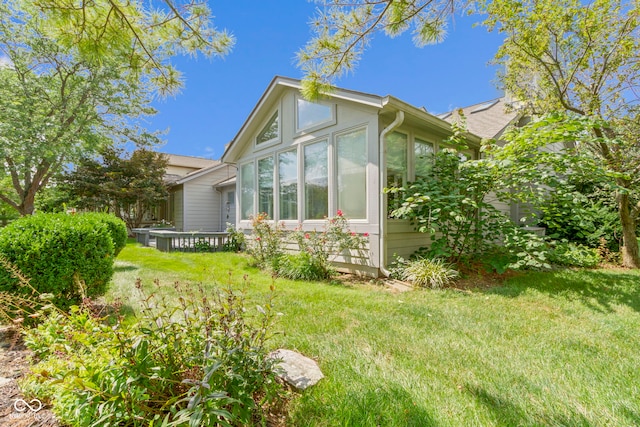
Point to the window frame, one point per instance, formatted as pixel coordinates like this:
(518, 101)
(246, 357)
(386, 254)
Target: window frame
(273, 141)
(336, 198)
(320, 125)
(255, 192)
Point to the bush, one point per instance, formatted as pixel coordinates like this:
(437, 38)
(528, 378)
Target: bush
(302, 266)
(573, 255)
(117, 228)
(200, 361)
(67, 256)
(429, 273)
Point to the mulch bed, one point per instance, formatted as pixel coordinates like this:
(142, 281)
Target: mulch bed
(13, 365)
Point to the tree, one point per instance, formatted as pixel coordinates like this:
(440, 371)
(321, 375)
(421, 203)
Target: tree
(130, 187)
(75, 77)
(344, 29)
(142, 35)
(581, 60)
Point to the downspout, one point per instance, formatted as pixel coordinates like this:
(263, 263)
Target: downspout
(382, 161)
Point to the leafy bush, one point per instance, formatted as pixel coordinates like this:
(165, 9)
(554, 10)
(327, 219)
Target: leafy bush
(573, 255)
(236, 241)
(201, 361)
(429, 273)
(67, 256)
(117, 228)
(202, 245)
(302, 266)
(265, 244)
(268, 240)
(326, 245)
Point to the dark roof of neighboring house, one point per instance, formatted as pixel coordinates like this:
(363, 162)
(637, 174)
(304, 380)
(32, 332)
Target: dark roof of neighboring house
(486, 119)
(190, 161)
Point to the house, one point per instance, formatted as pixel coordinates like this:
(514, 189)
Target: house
(301, 162)
(201, 194)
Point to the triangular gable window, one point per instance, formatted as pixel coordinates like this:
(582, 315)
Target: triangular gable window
(270, 132)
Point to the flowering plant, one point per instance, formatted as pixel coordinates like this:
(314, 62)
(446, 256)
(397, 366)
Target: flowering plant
(326, 245)
(265, 246)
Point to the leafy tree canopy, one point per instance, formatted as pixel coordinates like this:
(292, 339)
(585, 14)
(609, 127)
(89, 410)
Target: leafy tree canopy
(141, 35)
(75, 77)
(344, 29)
(127, 185)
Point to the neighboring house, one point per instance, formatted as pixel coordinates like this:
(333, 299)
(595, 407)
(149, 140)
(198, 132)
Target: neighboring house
(301, 162)
(489, 120)
(201, 194)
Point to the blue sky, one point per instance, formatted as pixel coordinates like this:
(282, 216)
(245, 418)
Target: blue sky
(220, 93)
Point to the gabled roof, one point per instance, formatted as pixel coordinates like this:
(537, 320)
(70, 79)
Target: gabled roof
(487, 119)
(203, 171)
(190, 161)
(385, 104)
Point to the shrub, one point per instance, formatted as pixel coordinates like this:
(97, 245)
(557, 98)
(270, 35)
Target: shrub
(201, 361)
(67, 256)
(302, 266)
(573, 255)
(265, 244)
(429, 273)
(236, 240)
(326, 245)
(117, 228)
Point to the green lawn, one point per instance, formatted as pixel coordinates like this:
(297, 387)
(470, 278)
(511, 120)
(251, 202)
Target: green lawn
(559, 348)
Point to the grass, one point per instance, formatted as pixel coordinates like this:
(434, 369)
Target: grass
(557, 348)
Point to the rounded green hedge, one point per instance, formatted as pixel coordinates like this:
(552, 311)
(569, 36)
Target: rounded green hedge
(117, 228)
(55, 251)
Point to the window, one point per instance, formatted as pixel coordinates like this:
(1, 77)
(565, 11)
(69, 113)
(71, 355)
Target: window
(424, 158)
(270, 132)
(316, 181)
(352, 177)
(310, 114)
(396, 159)
(265, 186)
(247, 187)
(288, 184)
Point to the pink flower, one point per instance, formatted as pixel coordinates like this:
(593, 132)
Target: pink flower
(353, 233)
(366, 234)
(306, 236)
(339, 213)
(257, 238)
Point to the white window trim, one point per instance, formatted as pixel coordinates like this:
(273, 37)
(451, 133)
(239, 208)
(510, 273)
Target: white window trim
(331, 122)
(273, 141)
(333, 181)
(301, 190)
(240, 205)
(273, 185)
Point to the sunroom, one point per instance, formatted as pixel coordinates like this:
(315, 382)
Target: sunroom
(301, 162)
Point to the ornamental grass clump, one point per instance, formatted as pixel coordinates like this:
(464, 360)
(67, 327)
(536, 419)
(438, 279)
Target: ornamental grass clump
(429, 273)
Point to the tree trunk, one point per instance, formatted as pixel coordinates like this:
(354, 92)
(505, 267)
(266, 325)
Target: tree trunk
(629, 250)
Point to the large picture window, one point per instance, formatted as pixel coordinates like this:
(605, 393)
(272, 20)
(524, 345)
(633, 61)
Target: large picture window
(265, 186)
(288, 184)
(352, 177)
(316, 181)
(247, 187)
